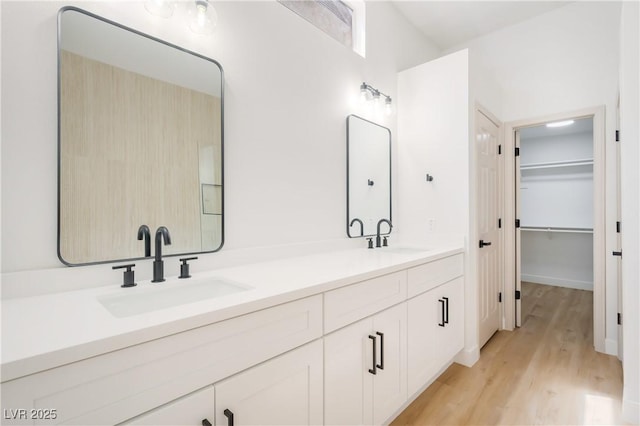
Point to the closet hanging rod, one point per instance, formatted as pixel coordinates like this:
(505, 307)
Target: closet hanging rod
(550, 164)
(555, 229)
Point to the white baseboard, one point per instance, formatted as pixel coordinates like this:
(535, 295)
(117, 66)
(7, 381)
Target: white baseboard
(631, 411)
(611, 347)
(558, 282)
(468, 357)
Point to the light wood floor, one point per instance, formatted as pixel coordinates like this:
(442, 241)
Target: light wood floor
(544, 373)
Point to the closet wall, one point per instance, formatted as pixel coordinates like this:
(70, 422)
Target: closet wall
(556, 204)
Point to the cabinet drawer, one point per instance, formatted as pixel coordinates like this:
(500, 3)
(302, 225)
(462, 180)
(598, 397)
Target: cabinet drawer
(430, 275)
(351, 303)
(120, 385)
(189, 410)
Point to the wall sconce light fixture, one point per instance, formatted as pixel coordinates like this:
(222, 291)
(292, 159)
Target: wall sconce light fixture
(201, 14)
(368, 92)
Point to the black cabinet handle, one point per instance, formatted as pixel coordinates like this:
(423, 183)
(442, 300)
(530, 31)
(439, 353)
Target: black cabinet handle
(446, 310)
(441, 302)
(484, 243)
(381, 365)
(373, 370)
(206, 422)
(229, 416)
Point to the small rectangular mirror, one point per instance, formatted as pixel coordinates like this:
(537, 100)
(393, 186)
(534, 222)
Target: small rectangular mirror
(368, 177)
(140, 137)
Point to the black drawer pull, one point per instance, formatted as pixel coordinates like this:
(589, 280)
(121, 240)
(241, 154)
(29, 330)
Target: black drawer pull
(446, 310)
(373, 370)
(381, 365)
(441, 302)
(229, 416)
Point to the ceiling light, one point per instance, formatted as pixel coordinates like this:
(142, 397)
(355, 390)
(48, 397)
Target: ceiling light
(560, 123)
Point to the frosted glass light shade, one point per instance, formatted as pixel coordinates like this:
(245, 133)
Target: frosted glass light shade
(202, 17)
(163, 8)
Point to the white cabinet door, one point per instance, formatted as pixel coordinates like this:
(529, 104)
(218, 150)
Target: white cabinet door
(347, 380)
(360, 387)
(286, 390)
(390, 382)
(435, 332)
(195, 409)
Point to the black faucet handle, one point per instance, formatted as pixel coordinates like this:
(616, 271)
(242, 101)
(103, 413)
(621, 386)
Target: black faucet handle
(184, 268)
(384, 241)
(370, 245)
(128, 276)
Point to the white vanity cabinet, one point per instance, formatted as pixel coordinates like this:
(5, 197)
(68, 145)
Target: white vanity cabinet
(347, 354)
(365, 369)
(435, 321)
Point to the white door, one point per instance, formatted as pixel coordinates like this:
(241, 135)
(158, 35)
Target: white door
(286, 390)
(390, 382)
(489, 197)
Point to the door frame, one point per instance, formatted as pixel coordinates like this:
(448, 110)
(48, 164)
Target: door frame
(599, 240)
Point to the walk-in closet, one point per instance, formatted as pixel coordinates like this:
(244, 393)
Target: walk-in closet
(556, 204)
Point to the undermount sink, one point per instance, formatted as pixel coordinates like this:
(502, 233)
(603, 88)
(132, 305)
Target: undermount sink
(154, 297)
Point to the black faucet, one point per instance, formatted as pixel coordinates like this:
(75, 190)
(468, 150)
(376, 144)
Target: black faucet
(143, 232)
(158, 265)
(361, 225)
(378, 230)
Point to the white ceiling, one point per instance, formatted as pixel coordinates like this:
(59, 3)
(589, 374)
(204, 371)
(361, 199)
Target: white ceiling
(450, 23)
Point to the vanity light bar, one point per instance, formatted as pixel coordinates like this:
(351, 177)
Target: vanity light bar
(367, 90)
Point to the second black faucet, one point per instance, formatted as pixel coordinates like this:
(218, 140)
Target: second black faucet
(158, 265)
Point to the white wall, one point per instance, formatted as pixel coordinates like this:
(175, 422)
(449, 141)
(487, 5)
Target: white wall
(289, 88)
(561, 61)
(630, 139)
(433, 138)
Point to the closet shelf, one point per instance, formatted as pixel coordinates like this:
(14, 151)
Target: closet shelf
(557, 229)
(555, 164)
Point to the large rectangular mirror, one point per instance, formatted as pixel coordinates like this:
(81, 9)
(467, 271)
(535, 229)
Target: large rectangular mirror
(368, 177)
(140, 133)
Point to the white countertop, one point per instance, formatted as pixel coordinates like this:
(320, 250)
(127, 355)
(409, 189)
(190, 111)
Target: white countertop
(47, 331)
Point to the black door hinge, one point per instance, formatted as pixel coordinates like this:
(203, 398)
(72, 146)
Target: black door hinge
(500, 297)
(517, 294)
(619, 318)
(499, 149)
(499, 222)
(517, 223)
(517, 151)
(617, 135)
(617, 253)
(618, 226)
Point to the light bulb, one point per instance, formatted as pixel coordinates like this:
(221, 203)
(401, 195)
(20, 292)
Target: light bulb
(163, 8)
(387, 106)
(364, 93)
(203, 17)
(376, 100)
